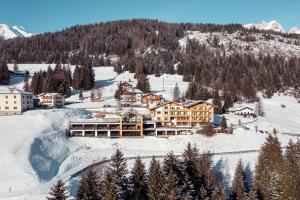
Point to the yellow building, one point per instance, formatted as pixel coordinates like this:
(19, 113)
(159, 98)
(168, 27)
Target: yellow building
(178, 114)
(14, 101)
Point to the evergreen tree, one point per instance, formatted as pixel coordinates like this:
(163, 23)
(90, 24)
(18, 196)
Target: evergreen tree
(269, 169)
(156, 181)
(80, 95)
(109, 188)
(118, 169)
(26, 86)
(291, 181)
(4, 74)
(92, 96)
(223, 123)
(76, 82)
(172, 191)
(138, 181)
(172, 164)
(176, 93)
(143, 84)
(192, 169)
(89, 187)
(218, 193)
(217, 102)
(58, 191)
(238, 185)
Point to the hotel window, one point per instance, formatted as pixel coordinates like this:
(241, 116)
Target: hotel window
(6, 107)
(15, 97)
(166, 112)
(6, 102)
(6, 97)
(15, 102)
(15, 108)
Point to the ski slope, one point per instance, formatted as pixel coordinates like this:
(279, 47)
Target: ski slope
(34, 151)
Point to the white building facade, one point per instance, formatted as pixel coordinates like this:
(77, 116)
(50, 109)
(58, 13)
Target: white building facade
(51, 100)
(14, 101)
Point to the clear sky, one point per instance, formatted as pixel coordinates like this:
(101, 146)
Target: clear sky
(39, 16)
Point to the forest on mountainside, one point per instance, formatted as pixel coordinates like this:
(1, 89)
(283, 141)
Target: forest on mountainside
(151, 47)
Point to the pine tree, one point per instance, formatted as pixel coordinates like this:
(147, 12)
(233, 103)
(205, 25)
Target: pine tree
(4, 74)
(80, 95)
(223, 123)
(217, 102)
(138, 181)
(270, 163)
(172, 191)
(172, 164)
(26, 86)
(109, 188)
(89, 187)
(58, 191)
(291, 180)
(92, 96)
(176, 93)
(118, 169)
(218, 193)
(156, 181)
(143, 84)
(76, 82)
(192, 169)
(238, 185)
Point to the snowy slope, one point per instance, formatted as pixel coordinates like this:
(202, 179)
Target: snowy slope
(34, 151)
(9, 32)
(236, 42)
(272, 25)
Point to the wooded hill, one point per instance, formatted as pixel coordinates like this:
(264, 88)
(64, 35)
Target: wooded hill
(152, 47)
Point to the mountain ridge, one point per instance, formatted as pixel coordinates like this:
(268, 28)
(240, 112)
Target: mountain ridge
(10, 32)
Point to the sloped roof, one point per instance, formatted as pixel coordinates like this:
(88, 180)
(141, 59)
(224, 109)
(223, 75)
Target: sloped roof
(10, 90)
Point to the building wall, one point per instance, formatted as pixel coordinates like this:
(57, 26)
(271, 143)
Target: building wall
(178, 115)
(14, 104)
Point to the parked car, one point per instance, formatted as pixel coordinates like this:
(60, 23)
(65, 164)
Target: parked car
(106, 106)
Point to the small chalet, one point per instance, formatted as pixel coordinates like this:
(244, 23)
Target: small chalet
(242, 111)
(152, 100)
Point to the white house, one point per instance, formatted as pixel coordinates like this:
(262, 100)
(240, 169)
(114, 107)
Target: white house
(242, 111)
(52, 100)
(14, 101)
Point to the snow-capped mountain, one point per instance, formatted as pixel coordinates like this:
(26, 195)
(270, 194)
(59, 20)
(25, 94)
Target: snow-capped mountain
(8, 32)
(272, 25)
(295, 30)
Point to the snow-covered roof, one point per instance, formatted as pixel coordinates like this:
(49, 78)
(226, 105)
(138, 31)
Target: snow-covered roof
(49, 94)
(244, 108)
(10, 90)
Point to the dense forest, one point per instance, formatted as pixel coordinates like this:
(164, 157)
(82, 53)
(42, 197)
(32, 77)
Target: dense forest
(151, 47)
(193, 176)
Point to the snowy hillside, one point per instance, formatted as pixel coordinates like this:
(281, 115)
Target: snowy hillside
(34, 151)
(238, 42)
(9, 32)
(272, 25)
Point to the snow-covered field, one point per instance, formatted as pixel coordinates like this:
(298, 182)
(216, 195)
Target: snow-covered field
(34, 152)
